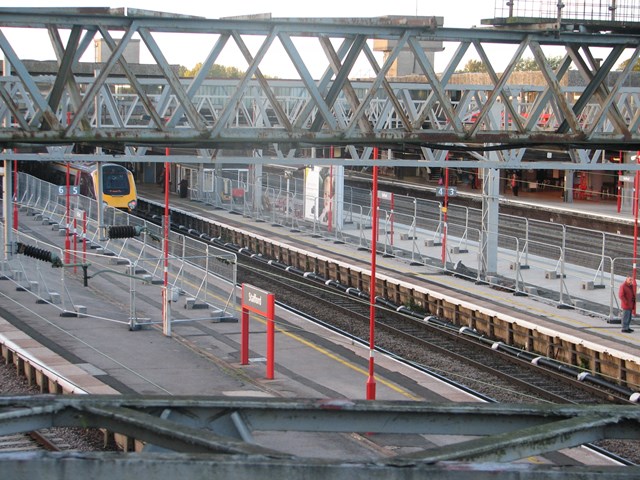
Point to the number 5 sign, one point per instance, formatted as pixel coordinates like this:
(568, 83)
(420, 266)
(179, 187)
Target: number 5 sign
(73, 190)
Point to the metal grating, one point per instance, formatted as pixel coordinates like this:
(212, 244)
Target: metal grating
(625, 11)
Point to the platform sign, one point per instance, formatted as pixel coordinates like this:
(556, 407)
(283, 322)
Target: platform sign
(73, 190)
(382, 195)
(262, 303)
(255, 299)
(442, 191)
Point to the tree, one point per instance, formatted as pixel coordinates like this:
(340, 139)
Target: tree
(216, 71)
(623, 65)
(474, 66)
(531, 64)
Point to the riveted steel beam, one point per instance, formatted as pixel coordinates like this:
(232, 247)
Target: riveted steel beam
(431, 112)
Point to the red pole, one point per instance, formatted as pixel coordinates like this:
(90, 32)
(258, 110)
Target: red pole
(167, 172)
(75, 244)
(619, 190)
(244, 336)
(391, 217)
(635, 227)
(330, 212)
(67, 242)
(15, 193)
(165, 298)
(371, 381)
(84, 237)
(270, 336)
(444, 214)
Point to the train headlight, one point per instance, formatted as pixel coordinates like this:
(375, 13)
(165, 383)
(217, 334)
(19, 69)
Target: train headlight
(132, 204)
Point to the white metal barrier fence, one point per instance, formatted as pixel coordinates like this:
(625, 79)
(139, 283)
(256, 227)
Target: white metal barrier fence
(572, 267)
(199, 275)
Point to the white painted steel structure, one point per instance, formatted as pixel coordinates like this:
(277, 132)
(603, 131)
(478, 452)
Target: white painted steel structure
(118, 108)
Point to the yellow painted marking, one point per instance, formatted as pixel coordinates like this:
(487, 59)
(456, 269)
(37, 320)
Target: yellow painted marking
(343, 362)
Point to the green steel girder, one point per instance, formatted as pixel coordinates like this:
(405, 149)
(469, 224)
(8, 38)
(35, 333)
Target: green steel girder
(335, 110)
(218, 430)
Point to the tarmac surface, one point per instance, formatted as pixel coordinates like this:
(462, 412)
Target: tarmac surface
(202, 356)
(589, 328)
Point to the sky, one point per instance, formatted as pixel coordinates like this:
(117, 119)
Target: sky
(456, 13)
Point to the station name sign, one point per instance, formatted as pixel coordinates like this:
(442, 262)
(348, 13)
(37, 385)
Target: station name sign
(255, 299)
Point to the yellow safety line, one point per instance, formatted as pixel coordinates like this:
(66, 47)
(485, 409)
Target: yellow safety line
(347, 364)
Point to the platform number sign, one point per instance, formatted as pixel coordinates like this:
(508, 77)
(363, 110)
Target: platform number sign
(451, 191)
(73, 190)
(382, 195)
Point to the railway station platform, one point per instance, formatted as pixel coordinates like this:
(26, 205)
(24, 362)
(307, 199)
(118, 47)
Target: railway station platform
(589, 205)
(587, 327)
(202, 355)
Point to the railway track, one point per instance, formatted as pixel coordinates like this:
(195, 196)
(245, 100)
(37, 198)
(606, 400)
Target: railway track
(32, 441)
(511, 377)
(424, 340)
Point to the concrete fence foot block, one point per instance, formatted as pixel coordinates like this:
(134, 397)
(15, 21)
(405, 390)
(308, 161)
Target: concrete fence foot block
(531, 290)
(579, 303)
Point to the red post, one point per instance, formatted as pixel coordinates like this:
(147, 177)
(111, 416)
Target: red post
(84, 237)
(619, 190)
(244, 337)
(262, 303)
(635, 227)
(15, 193)
(167, 172)
(330, 212)
(75, 244)
(391, 217)
(165, 292)
(444, 214)
(67, 240)
(371, 380)
(270, 336)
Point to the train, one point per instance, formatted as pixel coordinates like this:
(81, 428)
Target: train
(118, 183)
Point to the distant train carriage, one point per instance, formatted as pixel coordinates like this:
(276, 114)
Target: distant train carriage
(118, 185)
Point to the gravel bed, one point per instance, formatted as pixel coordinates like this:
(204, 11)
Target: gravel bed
(69, 439)
(478, 380)
(78, 439)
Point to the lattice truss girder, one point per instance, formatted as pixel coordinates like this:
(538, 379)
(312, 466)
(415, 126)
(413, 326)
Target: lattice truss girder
(488, 433)
(435, 111)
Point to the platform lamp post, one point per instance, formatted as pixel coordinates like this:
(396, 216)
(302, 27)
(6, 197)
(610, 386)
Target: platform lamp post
(445, 206)
(67, 239)
(166, 311)
(636, 186)
(15, 193)
(330, 212)
(371, 380)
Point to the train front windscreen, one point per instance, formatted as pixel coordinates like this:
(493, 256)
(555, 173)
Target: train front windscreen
(115, 180)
